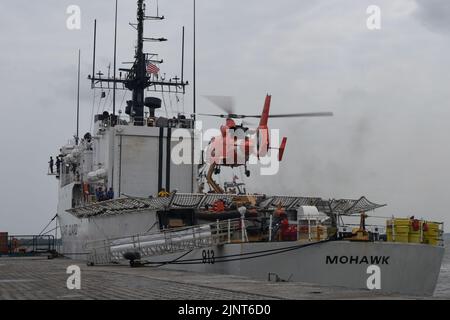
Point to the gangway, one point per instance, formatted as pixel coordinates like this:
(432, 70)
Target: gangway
(162, 242)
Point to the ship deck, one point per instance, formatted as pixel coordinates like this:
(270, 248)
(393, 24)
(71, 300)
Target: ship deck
(44, 279)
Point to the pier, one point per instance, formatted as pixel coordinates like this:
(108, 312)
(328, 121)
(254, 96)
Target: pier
(31, 278)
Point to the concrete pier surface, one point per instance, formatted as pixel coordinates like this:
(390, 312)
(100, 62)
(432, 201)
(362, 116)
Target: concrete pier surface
(44, 279)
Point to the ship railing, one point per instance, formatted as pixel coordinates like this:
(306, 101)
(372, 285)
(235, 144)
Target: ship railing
(18, 245)
(185, 238)
(389, 227)
(166, 241)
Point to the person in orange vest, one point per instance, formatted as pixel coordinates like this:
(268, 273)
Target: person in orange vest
(86, 192)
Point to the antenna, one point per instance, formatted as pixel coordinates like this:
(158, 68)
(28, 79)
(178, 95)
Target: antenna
(137, 78)
(78, 99)
(194, 106)
(115, 68)
(194, 76)
(182, 59)
(93, 58)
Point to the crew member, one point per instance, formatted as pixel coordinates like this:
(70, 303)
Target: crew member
(110, 194)
(58, 165)
(100, 194)
(51, 164)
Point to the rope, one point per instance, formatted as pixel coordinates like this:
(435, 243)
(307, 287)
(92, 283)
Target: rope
(239, 257)
(173, 261)
(151, 228)
(45, 228)
(51, 230)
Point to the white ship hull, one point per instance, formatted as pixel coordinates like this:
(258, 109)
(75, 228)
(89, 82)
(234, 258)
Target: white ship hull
(410, 269)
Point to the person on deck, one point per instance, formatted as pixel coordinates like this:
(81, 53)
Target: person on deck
(51, 164)
(100, 194)
(58, 165)
(110, 194)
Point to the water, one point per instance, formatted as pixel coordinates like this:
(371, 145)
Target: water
(443, 286)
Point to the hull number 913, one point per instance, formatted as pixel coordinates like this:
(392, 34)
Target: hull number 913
(208, 256)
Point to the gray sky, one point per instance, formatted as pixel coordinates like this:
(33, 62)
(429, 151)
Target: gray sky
(389, 139)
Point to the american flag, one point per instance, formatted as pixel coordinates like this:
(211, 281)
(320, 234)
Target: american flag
(152, 69)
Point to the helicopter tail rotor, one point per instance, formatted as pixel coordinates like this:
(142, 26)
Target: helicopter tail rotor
(282, 148)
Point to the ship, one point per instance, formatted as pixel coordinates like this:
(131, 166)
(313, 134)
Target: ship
(121, 199)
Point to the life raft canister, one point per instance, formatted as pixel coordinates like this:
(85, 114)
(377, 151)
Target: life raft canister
(288, 232)
(219, 206)
(415, 224)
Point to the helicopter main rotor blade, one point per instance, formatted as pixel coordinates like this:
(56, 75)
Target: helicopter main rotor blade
(212, 115)
(225, 116)
(295, 115)
(225, 103)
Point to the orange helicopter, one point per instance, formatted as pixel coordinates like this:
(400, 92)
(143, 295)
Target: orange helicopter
(236, 143)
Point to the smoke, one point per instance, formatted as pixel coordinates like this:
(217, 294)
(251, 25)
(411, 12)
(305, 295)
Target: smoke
(434, 15)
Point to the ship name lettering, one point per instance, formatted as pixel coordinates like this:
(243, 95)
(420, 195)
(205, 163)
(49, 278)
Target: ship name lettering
(372, 260)
(69, 230)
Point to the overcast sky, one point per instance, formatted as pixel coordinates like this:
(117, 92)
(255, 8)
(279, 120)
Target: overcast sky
(389, 89)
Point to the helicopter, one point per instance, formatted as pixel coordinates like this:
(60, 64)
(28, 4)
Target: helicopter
(237, 142)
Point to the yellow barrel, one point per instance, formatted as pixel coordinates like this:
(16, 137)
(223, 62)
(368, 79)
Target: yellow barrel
(432, 235)
(401, 230)
(318, 233)
(414, 238)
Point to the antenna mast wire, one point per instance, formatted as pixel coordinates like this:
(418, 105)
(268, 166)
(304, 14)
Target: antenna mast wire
(77, 137)
(115, 63)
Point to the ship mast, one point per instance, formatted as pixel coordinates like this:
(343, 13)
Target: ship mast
(137, 80)
(139, 83)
